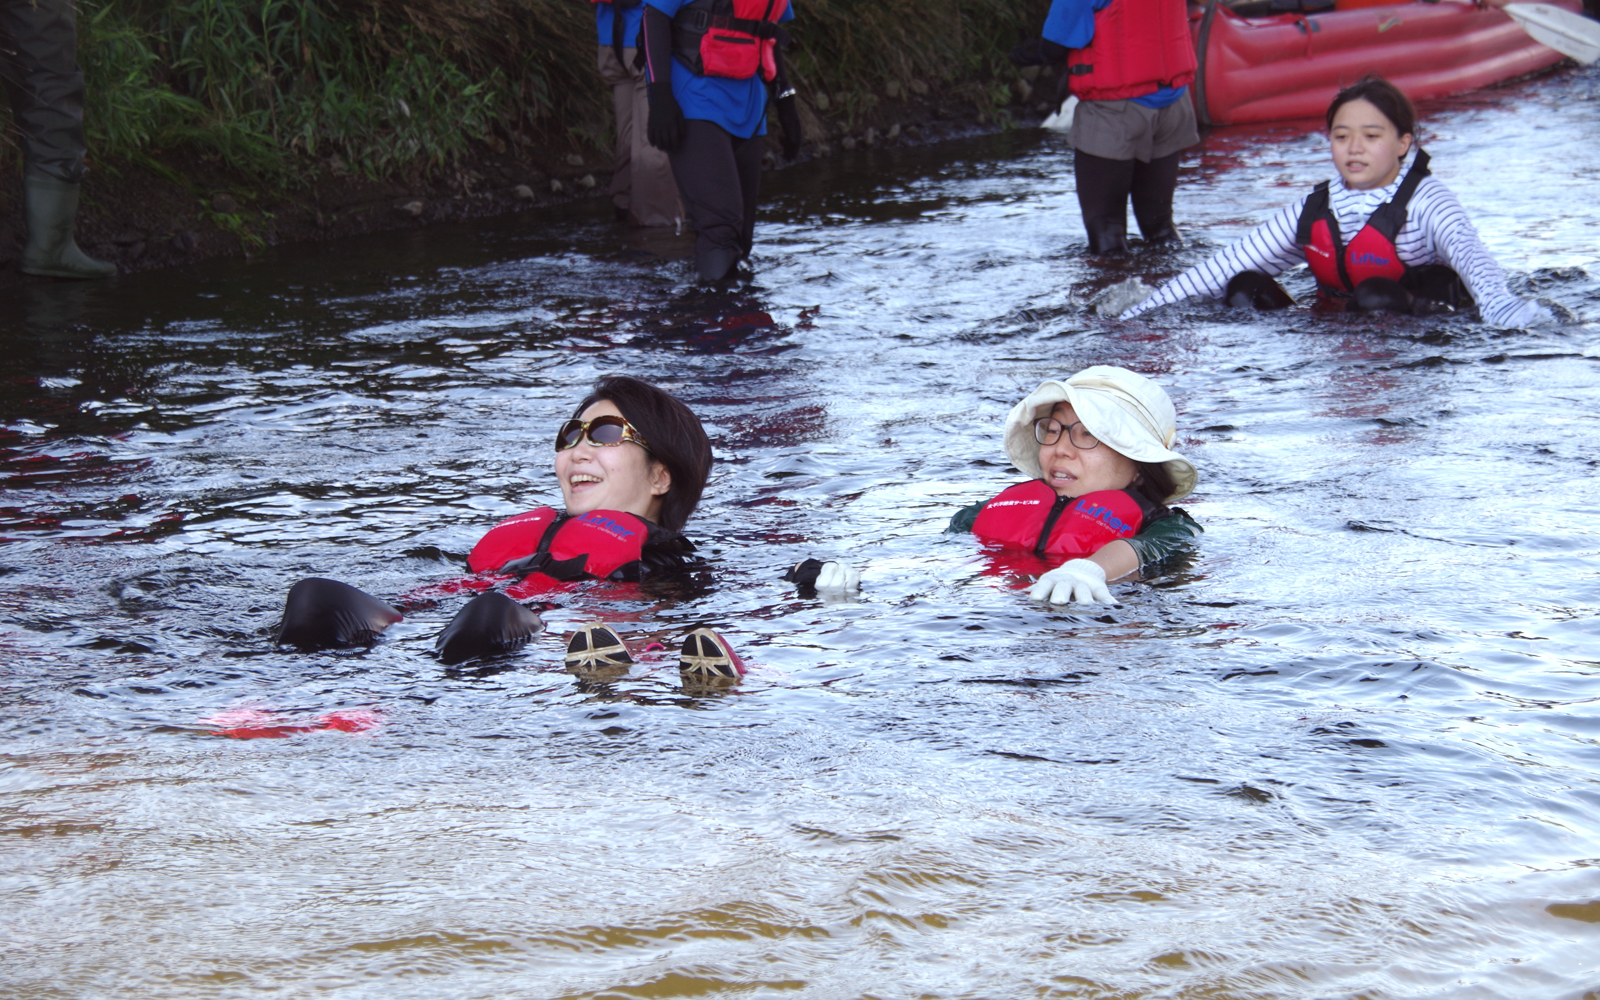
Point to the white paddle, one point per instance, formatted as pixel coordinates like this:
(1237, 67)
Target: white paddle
(1572, 35)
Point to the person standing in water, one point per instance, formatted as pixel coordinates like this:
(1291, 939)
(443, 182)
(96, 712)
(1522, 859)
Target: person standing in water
(710, 64)
(642, 189)
(1130, 62)
(39, 64)
(1381, 236)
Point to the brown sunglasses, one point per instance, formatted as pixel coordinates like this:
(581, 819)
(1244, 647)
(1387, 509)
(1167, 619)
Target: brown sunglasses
(605, 431)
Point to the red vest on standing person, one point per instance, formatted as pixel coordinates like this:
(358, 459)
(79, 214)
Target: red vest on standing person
(732, 39)
(1139, 47)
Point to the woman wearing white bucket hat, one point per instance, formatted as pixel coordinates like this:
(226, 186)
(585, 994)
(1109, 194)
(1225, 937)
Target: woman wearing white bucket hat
(1098, 447)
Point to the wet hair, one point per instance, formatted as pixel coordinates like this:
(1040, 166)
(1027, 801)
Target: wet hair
(1384, 96)
(674, 434)
(1155, 481)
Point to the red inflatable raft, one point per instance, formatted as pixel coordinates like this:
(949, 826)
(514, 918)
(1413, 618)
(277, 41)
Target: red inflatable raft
(1283, 66)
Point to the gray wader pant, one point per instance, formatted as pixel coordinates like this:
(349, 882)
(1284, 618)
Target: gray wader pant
(641, 175)
(719, 176)
(39, 64)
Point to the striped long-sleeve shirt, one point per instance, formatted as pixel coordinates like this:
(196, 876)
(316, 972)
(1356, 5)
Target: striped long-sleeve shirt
(1437, 231)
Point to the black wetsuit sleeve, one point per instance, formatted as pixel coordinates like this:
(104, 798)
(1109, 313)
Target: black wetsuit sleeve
(1164, 536)
(665, 554)
(961, 521)
(655, 36)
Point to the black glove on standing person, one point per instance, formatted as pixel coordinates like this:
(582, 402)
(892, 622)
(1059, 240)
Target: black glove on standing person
(666, 118)
(1039, 52)
(789, 117)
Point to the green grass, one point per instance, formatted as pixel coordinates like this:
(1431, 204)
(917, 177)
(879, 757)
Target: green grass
(288, 91)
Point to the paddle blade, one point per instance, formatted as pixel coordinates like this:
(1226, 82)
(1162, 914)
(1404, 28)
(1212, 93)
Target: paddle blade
(1572, 35)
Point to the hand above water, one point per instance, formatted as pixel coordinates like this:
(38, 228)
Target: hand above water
(1076, 581)
(838, 578)
(827, 577)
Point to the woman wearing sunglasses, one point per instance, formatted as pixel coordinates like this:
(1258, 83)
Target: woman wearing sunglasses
(631, 464)
(1098, 446)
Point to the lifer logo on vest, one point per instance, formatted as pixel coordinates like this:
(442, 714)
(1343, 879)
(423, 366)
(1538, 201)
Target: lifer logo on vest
(610, 527)
(1370, 258)
(1102, 515)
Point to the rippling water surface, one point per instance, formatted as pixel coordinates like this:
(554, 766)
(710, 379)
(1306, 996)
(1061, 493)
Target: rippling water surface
(1350, 749)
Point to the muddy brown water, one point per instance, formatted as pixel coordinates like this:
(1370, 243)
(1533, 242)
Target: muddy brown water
(1350, 748)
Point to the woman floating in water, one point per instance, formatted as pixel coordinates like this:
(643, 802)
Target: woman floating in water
(631, 464)
(1379, 237)
(1099, 449)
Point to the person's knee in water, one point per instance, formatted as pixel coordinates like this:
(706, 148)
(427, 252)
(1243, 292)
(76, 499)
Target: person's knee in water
(1097, 447)
(631, 464)
(1252, 289)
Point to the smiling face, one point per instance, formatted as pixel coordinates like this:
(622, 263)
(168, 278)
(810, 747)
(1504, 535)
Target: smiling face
(1366, 146)
(617, 477)
(1072, 471)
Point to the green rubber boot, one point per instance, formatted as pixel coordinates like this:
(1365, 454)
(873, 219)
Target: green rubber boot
(51, 206)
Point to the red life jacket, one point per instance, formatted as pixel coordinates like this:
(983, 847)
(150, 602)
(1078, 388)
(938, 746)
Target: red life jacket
(1139, 46)
(733, 39)
(1341, 266)
(601, 544)
(1032, 517)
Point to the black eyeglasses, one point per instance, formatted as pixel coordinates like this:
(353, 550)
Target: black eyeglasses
(1047, 430)
(605, 431)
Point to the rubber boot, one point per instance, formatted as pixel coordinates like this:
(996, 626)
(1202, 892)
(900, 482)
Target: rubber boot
(1107, 235)
(488, 625)
(327, 614)
(716, 263)
(51, 207)
(1254, 289)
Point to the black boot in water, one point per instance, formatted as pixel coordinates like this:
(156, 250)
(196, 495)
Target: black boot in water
(489, 625)
(51, 207)
(327, 614)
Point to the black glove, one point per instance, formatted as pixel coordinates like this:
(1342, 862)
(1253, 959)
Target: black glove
(804, 573)
(789, 116)
(1038, 52)
(666, 118)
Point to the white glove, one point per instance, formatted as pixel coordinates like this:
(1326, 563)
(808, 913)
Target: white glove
(1078, 580)
(838, 577)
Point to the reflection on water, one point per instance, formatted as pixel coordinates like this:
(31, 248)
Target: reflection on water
(1349, 749)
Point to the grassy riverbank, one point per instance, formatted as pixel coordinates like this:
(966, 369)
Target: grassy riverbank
(217, 126)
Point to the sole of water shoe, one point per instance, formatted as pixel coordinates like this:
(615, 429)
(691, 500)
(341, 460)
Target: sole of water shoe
(707, 654)
(596, 645)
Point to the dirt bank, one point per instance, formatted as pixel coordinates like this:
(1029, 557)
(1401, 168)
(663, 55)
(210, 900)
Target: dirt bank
(182, 206)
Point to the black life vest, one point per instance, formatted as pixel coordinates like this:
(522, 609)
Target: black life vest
(732, 39)
(1341, 266)
(603, 544)
(1033, 517)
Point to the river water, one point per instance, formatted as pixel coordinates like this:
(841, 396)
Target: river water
(1351, 748)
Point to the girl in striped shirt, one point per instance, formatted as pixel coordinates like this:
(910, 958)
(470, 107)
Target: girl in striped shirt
(1380, 237)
